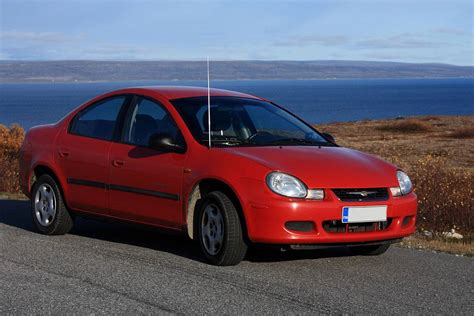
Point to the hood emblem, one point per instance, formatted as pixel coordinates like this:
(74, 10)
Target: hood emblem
(362, 193)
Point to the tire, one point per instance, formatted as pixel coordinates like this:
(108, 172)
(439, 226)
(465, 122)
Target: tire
(374, 250)
(50, 214)
(226, 228)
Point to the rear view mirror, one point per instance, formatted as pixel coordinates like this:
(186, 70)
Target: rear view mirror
(165, 143)
(329, 137)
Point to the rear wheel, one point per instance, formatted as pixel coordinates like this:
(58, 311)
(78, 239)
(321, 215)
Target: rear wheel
(220, 230)
(50, 215)
(373, 250)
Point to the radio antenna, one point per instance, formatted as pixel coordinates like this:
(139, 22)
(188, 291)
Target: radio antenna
(208, 103)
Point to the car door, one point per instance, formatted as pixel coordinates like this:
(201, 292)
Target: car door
(146, 184)
(83, 153)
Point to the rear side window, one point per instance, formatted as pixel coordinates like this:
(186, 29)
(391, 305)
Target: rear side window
(98, 120)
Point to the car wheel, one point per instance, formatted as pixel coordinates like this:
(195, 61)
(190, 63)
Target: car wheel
(50, 215)
(374, 250)
(220, 230)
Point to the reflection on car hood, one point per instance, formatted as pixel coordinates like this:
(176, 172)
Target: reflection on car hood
(324, 167)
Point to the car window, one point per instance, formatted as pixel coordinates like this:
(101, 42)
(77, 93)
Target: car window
(148, 118)
(239, 121)
(266, 122)
(98, 120)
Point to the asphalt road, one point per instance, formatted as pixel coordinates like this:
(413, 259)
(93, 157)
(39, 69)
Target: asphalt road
(114, 268)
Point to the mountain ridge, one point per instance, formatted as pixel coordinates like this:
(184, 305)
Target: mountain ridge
(97, 70)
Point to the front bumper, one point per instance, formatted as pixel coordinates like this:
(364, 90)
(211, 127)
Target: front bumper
(266, 219)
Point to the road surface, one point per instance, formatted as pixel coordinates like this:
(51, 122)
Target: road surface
(114, 268)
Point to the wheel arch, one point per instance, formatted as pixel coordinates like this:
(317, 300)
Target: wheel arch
(200, 189)
(42, 169)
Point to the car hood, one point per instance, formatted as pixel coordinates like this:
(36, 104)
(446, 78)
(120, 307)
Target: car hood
(323, 167)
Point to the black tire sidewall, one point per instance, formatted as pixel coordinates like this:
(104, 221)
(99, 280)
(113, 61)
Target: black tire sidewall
(213, 199)
(234, 246)
(49, 180)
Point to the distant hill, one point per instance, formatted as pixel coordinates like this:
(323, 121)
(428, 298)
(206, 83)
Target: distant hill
(72, 71)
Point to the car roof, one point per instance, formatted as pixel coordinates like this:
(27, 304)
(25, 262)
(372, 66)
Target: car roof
(178, 92)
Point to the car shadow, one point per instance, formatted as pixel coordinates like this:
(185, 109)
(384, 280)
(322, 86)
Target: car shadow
(16, 213)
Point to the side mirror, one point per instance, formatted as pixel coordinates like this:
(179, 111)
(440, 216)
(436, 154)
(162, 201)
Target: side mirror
(329, 137)
(165, 143)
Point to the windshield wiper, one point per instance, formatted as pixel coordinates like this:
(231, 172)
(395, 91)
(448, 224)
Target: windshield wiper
(223, 141)
(299, 141)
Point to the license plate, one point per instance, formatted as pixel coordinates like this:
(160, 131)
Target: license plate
(364, 214)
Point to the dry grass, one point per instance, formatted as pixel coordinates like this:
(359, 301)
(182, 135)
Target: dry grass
(10, 142)
(463, 133)
(438, 244)
(405, 126)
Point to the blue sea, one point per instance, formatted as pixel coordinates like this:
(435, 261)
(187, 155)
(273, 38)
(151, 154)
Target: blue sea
(316, 101)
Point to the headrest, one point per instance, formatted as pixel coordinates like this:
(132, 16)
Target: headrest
(220, 119)
(143, 120)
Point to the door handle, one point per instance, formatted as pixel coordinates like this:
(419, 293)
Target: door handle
(118, 163)
(63, 153)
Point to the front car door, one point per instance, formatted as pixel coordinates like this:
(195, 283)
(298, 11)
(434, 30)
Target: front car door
(83, 153)
(146, 184)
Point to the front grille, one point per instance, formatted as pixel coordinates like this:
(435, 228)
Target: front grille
(361, 195)
(336, 226)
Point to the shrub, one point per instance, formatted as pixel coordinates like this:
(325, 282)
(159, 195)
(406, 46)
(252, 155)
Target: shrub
(463, 133)
(409, 126)
(10, 142)
(445, 195)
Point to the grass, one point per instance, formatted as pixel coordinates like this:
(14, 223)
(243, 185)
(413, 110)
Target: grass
(404, 127)
(439, 244)
(463, 133)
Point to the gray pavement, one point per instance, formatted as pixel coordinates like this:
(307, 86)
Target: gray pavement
(115, 268)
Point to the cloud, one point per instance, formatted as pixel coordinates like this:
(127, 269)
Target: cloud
(21, 37)
(452, 31)
(308, 40)
(406, 40)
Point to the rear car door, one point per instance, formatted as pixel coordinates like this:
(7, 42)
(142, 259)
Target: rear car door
(83, 153)
(146, 184)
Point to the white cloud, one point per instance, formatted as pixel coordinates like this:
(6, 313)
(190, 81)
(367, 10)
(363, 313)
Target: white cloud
(307, 40)
(21, 37)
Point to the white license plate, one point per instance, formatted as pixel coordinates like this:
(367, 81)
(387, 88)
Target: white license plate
(364, 214)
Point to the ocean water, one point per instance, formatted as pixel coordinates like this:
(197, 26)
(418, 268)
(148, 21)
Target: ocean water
(316, 101)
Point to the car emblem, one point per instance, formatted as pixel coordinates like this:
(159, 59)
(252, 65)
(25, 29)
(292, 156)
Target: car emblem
(362, 193)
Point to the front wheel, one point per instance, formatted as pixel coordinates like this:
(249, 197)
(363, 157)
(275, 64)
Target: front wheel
(50, 215)
(373, 250)
(220, 230)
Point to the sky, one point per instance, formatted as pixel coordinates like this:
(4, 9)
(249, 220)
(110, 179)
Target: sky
(400, 30)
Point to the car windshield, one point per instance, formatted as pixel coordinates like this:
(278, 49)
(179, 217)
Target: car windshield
(245, 122)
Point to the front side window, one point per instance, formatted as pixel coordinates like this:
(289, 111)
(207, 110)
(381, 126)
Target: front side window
(147, 118)
(98, 120)
(245, 122)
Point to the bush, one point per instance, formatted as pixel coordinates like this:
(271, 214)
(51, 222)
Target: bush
(463, 133)
(10, 142)
(409, 126)
(445, 195)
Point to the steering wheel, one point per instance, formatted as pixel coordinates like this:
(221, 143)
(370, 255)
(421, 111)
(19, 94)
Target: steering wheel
(258, 133)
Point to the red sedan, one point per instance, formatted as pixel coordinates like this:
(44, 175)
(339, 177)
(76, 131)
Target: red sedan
(254, 174)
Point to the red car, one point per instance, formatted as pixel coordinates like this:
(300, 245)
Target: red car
(261, 175)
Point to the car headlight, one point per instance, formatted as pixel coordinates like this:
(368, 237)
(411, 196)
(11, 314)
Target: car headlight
(404, 182)
(286, 185)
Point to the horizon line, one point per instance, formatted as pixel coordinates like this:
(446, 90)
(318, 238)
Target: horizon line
(232, 60)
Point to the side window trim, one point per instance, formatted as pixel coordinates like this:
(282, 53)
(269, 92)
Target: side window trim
(128, 117)
(119, 121)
